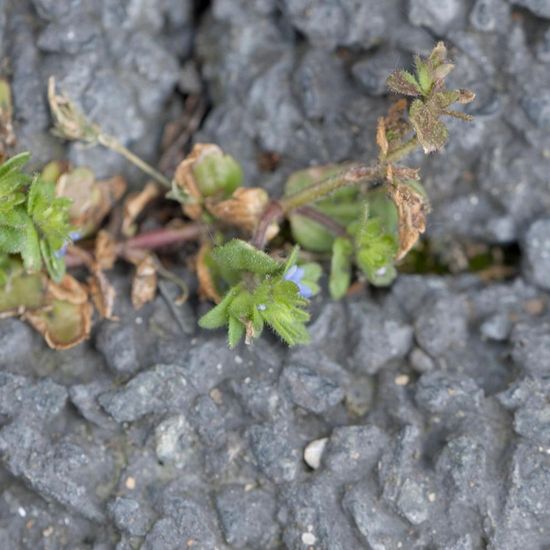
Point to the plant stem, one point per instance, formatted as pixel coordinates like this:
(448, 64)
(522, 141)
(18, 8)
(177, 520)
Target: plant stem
(355, 175)
(112, 143)
(403, 151)
(149, 240)
(317, 216)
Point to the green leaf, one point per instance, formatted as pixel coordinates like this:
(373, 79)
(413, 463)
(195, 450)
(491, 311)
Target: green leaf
(235, 332)
(376, 249)
(431, 132)
(11, 240)
(424, 77)
(238, 255)
(217, 317)
(30, 251)
(340, 267)
(342, 206)
(54, 264)
(217, 172)
(404, 83)
(14, 164)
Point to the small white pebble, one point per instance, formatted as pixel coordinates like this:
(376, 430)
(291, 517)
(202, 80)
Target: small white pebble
(21, 511)
(139, 320)
(314, 451)
(219, 366)
(402, 379)
(130, 483)
(431, 497)
(238, 360)
(309, 538)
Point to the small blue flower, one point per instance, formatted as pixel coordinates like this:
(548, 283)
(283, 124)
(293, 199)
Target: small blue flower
(295, 275)
(73, 236)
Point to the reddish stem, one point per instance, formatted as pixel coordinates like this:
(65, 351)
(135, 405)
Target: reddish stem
(149, 240)
(317, 216)
(272, 214)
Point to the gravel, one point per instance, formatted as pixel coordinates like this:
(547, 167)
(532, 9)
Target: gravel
(418, 416)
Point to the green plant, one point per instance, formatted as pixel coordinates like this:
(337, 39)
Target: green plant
(362, 219)
(34, 223)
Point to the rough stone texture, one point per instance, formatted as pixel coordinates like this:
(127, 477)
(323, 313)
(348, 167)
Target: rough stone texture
(430, 398)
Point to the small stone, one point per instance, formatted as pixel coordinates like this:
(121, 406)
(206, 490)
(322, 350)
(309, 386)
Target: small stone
(156, 390)
(538, 7)
(314, 452)
(353, 450)
(247, 517)
(421, 361)
(537, 248)
(175, 442)
(130, 517)
(496, 328)
(530, 347)
(276, 456)
(381, 338)
(309, 539)
(309, 390)
(442, 324)
(437, 15)
(130, 483)
(489, 15)
(402, 380)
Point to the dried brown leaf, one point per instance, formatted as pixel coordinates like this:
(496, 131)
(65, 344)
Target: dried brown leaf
(105, 250)
(134, 206)
(185, 179)
(243, 210)
(66, 319)
(91, 200)
(381, 138)
(412, 208)
(102, 292)
(144, 283)
(207, 287)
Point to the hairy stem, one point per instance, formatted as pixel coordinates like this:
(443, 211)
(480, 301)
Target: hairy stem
(355, 175)
(111, 143)
(405, 149)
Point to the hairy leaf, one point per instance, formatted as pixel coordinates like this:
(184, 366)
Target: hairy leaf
(404, 83)
(431, 132)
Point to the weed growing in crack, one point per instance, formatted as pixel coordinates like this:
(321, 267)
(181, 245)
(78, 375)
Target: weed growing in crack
(362, 218)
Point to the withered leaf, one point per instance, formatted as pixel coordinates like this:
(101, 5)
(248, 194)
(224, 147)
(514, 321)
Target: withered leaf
(144, 283)
(66, 319)
(134, 206)
(381, 138)
(207, 287)
(243, 209)
(105, 250)
(412, 208)
(404, 83)
(185, 180)
(102, 292)
(431, 133)
(91, 200)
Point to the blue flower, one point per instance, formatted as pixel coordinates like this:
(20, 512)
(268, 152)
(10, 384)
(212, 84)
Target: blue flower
(295, 275)
(73, 236)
